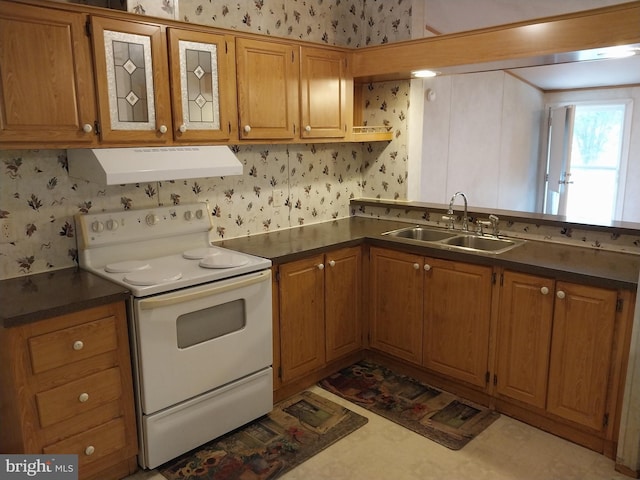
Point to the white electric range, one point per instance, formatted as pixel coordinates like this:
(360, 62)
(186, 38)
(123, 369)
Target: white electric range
(200, 323)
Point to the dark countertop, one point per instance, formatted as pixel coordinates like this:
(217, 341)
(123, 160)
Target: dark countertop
(563, 262)
(50, 294)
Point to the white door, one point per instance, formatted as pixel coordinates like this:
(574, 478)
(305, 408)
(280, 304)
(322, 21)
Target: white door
(558, 159)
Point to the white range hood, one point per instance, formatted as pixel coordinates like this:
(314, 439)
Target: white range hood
(117, 166)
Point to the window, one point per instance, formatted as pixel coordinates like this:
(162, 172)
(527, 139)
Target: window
(586, 159)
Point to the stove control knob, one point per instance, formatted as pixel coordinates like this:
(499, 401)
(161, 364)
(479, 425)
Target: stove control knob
(97, 226)
(151, 219)
(199, 213)
(188, 215)
(112, 224)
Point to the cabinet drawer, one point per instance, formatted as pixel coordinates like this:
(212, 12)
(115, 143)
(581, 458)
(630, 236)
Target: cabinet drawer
(93, 444)
(72, 344)
(78, 396)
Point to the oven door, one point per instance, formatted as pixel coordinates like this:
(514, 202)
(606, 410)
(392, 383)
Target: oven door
(194, 340)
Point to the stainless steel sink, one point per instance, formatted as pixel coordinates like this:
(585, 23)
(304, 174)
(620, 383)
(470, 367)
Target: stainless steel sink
(421, 233)
(455, 240)
(484, 244)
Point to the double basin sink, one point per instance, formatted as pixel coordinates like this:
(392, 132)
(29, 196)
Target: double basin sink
(456, 240)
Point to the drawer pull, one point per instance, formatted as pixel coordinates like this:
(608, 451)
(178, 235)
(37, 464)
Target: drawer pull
(89, 450)
(78, 345)
(83, 397)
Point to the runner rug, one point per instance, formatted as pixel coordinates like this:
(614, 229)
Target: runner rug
(433, 413)
(294, 431)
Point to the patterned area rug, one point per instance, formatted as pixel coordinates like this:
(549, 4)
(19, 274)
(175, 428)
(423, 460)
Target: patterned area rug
(435, 414)
(294, 431)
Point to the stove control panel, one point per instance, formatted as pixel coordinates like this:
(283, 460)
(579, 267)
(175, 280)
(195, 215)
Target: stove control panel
(106, 228)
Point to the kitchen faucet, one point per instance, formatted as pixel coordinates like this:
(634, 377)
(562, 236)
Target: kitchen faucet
(451, 218)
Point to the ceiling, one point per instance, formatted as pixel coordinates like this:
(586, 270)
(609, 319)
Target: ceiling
(451, 16)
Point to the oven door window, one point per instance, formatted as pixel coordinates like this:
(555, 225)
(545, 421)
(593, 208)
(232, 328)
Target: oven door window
(210, 323)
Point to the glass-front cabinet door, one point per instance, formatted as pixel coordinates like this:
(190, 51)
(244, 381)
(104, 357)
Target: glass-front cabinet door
(132, 81)
(202, 86)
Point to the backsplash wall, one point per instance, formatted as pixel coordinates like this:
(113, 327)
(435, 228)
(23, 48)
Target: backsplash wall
(318, 180)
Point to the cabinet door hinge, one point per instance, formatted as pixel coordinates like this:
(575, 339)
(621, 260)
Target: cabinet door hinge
(226, 47)
(278, 276)
(495, 379)
(293, 57)
(605, 420)
(619, 305)
(229, 127)
(487, 377)
(96, 127)
(493, 278)
(280, 373)
(501, 279)
(87, 28)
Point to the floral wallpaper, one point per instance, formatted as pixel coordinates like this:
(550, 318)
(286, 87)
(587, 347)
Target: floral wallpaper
(39, 198)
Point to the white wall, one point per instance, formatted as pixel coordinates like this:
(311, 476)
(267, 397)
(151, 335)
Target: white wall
(481, 136)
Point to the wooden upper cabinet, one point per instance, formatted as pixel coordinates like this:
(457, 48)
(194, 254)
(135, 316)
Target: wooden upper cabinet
(203, 93)
(581, 353)
(524, 337)
(267, 82)
(46, 82)
(457, 317)
(323, 81)
(132, 80)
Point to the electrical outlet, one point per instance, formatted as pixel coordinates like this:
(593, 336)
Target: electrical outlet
(277, 197)
(7, 234)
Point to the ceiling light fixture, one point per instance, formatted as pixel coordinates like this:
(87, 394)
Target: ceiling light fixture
(424, 73)
(622, 51)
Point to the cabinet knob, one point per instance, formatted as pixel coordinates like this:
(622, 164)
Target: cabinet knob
(78, 345)
(182, 128)
(247, 128)
(427, 267)
(87, 128)
(544, 290)
(332, 263)
(162, 129)
(89, 450)
(307, 128)
(321, 266)
(83, 397)
(416, 266)
(560, 294)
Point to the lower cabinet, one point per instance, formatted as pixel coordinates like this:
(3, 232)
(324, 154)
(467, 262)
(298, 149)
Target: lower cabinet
(432, 312)
(560, 348)
(67, 388)
(584, 322)
(549, 352)
(525, 318)
(318, 311)
(395, 313)
(457, 317)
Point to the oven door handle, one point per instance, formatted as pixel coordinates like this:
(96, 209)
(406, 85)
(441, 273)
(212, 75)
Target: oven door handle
(178, 297)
